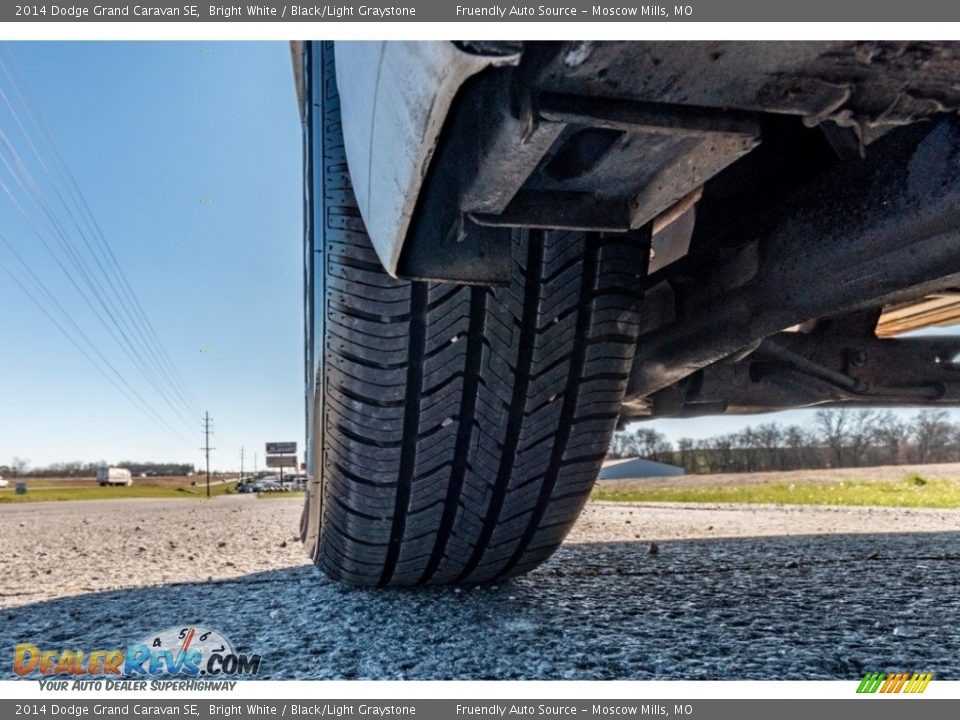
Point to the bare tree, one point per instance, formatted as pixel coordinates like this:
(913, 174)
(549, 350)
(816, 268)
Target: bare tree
(745, 443)
(650, 443)
(891, 435)
(797, 441)
(835, 438)
(622, 445)
(861, 431)
(687, 451)
(932, 434)
(832, 430)
(770, 440)
(19, 466)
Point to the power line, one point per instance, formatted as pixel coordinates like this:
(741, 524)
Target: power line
(142, 404)
(30, 188)
(165, 364)
(65, 315)
(145, 349)
(32, 110)
(101, 289)
(127, 348)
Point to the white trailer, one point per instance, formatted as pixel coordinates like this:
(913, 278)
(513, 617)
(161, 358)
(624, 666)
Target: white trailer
(114, 476)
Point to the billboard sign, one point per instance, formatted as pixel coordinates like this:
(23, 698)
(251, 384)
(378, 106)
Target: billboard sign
(281, 461)
(281, 448)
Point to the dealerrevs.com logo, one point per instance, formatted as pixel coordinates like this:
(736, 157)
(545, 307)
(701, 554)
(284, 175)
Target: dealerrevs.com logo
(887, 683)
(191, 652)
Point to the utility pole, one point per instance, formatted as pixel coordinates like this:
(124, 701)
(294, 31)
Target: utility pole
(206, 446)
(240, 479)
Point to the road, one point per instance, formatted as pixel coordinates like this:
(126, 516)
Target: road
(639, 591)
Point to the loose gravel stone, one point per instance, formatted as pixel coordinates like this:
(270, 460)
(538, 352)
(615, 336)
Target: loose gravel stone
(763, 594)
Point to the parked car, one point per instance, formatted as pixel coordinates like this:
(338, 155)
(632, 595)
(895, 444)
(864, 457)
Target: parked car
(4, 483)
(270, 486)
(511, 247)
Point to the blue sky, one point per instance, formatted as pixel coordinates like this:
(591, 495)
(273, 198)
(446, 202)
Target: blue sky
(188, 155)
(189, 158)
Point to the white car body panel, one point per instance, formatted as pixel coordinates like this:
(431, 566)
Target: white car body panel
(394, 99)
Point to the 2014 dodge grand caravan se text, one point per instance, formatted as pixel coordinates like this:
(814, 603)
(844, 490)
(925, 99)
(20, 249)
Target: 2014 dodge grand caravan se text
(511, 247)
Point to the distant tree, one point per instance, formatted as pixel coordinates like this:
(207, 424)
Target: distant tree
(835, 438)
(770, 439)
(832, 431)
(651, 443)
(861, 433)
(742, 444)
(797, 440)
(891, 435)
(19, 466)
(932, 435)
(722, 453)
(686, 448)
(622, 445)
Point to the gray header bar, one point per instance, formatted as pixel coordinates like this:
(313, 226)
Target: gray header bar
(450, 11)
(205, 708)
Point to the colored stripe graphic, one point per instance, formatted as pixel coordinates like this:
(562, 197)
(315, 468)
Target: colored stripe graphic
(894, 682)
(870, 683)
(923, 682)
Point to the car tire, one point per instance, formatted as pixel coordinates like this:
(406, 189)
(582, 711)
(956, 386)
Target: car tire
(457, 430)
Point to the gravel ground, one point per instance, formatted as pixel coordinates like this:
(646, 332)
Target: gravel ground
(722, 592)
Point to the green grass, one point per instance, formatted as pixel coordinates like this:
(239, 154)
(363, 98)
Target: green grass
(911, 491)
(112, 493)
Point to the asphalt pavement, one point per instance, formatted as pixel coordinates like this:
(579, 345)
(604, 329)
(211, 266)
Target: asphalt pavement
(640, 592)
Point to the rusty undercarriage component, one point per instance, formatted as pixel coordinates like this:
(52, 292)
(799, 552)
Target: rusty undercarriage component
(881, 233)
